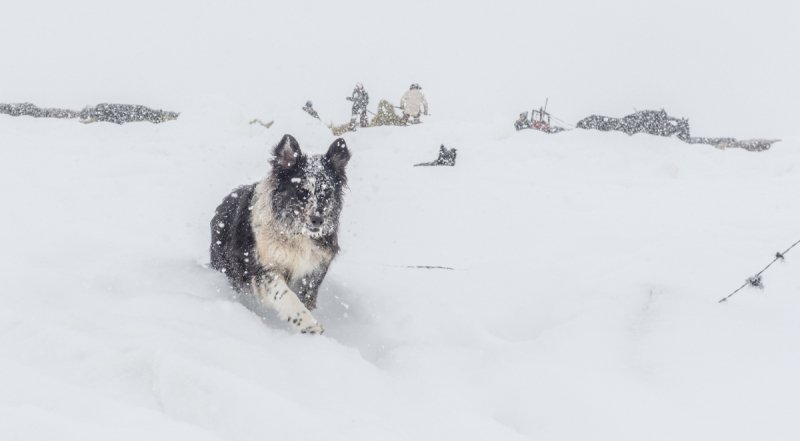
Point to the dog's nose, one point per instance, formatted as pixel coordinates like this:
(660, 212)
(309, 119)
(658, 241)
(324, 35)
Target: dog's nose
(316, 221)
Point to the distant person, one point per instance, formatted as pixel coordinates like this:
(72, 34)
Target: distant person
(523, 122)
(360, 99)
(309, 109)
(413, 102)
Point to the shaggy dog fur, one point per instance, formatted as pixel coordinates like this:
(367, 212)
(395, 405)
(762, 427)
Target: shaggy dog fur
(277, 237)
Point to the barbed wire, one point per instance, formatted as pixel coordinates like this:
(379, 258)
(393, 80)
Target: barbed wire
(563, 123)
(755, 281)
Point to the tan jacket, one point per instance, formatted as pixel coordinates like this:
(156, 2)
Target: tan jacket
(413, 102)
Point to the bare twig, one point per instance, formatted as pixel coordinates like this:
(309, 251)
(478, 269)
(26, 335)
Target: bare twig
(429, 267)
(262, 123)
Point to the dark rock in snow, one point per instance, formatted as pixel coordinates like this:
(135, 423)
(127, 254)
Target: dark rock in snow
(657, 122)
(113, 113)
(446, 157)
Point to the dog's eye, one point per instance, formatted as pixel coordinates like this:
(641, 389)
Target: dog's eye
(302, 194)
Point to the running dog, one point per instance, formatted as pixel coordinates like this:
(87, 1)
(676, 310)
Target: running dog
(277, 237)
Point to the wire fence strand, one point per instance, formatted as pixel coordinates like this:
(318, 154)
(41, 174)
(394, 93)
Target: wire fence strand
(756, 279)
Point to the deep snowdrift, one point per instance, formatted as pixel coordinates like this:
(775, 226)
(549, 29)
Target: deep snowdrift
(583, 299)
(587, 266)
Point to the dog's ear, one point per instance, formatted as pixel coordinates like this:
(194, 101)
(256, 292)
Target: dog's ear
(338, 154)
(287, 153)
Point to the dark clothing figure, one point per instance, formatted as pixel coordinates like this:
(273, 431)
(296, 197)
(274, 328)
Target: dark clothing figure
(360, 99)
(309, 109)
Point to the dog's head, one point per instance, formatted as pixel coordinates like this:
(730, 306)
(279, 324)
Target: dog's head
(307, 190)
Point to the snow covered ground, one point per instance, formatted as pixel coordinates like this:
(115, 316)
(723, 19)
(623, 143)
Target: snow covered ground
(587, 265)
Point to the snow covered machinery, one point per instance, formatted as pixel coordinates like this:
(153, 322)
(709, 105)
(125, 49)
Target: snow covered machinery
(540, 120)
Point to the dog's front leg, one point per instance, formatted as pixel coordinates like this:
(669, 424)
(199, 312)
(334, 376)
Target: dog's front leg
(307, 286)
(273, 291)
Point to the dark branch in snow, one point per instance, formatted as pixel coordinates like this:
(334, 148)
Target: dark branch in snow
(261, 123)
(429, 267)
(113, 113)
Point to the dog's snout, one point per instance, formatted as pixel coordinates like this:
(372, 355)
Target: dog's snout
(316, 221)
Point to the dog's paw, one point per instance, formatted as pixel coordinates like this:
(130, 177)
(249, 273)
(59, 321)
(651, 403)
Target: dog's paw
(314, 329)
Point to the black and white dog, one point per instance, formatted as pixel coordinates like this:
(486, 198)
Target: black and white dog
(277, 237)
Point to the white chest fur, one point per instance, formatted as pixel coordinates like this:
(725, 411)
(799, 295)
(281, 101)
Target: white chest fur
(297, 254)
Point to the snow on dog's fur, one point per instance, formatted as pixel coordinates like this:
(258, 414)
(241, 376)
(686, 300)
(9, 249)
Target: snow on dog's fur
(277, 237)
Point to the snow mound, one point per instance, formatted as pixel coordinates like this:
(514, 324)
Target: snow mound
(586, 270)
